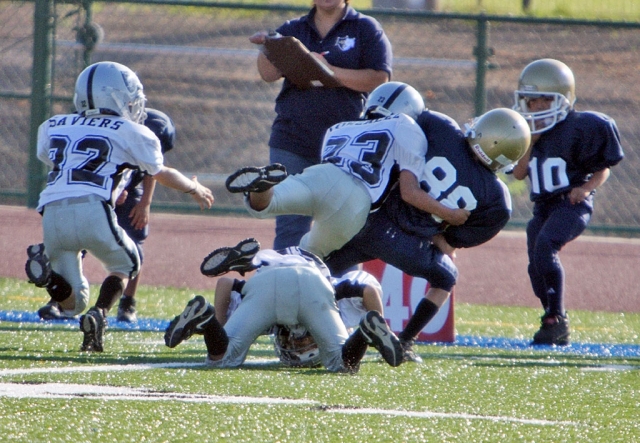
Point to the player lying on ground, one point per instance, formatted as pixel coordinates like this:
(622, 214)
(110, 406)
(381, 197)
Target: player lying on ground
(287, 290)
(356, 293)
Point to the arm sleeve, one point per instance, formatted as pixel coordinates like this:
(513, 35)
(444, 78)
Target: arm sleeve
(377, 52)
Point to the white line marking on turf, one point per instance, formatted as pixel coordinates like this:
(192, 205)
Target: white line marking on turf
(116, 368)
(62, 390)
(95, 392)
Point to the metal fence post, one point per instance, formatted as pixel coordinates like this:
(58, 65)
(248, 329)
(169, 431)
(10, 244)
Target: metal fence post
(482, 53)
(40, 92)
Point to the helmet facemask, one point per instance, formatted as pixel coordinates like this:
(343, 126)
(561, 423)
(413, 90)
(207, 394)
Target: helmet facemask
(545, 78)
(295, 347)
(540, 121)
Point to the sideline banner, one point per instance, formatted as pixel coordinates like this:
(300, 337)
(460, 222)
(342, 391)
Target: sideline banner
(401, 294)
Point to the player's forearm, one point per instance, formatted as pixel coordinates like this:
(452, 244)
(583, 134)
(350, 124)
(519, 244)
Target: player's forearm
(362, 80)
(174, 179)
(148, 187)
(597, 179)
(267, 70)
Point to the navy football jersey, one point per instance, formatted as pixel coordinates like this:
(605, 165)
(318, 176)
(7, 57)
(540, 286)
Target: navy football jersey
(566, 156)
(453, 176)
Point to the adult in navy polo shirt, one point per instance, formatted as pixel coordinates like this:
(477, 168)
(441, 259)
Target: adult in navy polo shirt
(356, 48)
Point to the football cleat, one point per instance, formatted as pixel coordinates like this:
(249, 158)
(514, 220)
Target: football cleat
(408, 353)
(52, 311)
(127, 310)
(253, 179)
(38, 267)
(93, 324)
(192, 320)
(377, 333)
(554, 330)
(237, 258)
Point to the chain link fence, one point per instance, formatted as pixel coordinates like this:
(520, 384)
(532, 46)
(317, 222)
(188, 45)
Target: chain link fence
(197, 64)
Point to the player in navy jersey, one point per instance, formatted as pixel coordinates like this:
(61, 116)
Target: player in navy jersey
(459, 172)
(88, 153)
(362, 161)
(570, 157)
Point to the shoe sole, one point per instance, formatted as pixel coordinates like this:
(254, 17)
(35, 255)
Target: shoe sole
(38, 270)
(92, 341)
(252, 179)
(35, 250)
(227, 259)
(375, 328)
(183, 326)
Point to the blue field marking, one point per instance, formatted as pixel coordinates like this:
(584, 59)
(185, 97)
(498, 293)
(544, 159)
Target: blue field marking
(143, 324)
(586, 349)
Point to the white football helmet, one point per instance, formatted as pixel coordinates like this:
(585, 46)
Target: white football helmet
(498, 138)
(110, 88)
(393, 98)
(545, 77)
(295, 347)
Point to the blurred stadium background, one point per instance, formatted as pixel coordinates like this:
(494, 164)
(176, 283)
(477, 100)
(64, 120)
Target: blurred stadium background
(197, 64)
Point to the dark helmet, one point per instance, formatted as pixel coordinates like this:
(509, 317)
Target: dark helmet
(162, 126)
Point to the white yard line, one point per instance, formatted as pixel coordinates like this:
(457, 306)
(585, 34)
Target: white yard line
(96, 392)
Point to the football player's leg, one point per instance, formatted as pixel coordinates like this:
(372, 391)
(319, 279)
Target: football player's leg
(319, 314)
(292, 196)
(69, 265)
(537, 281)
(341, 212)
(350, 254)
(68, 286)
(228, 347)
(290, 228)
(564, 225)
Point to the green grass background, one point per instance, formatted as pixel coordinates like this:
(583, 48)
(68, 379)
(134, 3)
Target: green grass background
(585, 398)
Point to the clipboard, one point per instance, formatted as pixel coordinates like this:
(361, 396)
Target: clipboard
(296, 63)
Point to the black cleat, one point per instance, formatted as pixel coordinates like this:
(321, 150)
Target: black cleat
(37, 267)
(408, 353)
(192, 320)
(377, 333)
(127, 310)
(237, 258)
(93, 324)
(254, 179)
(52, 311)
(554, 330)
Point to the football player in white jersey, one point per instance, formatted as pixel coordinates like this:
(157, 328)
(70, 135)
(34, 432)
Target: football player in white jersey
(356, 293)
(87, 153)
(361, 161)
(289, 288)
